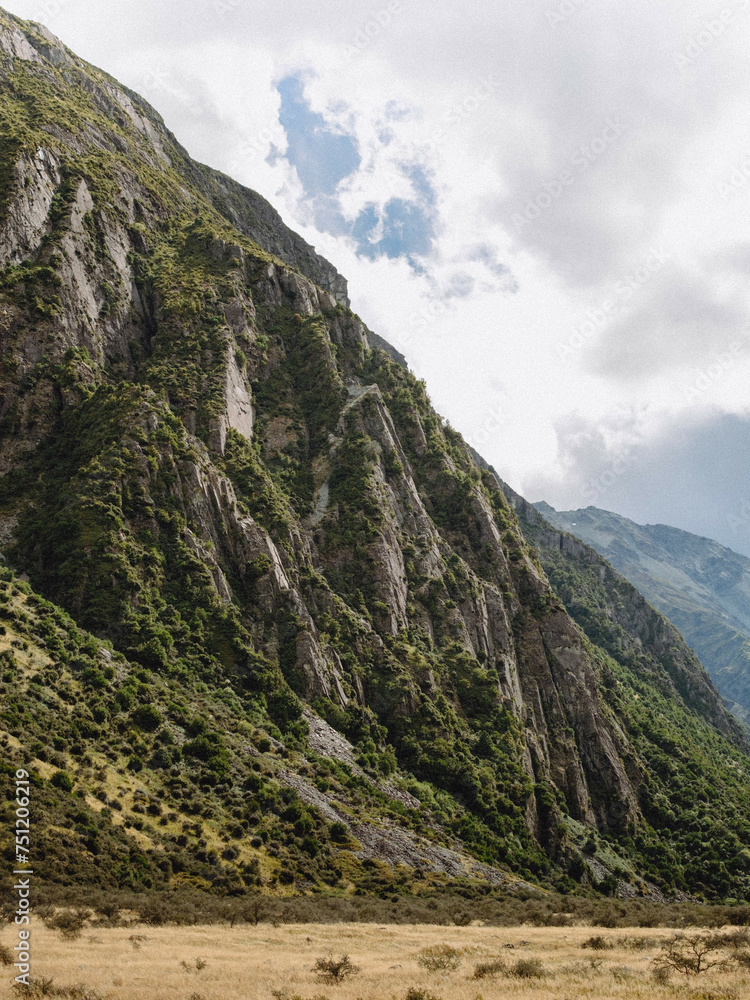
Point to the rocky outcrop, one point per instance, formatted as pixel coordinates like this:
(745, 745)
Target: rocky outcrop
(256, 218)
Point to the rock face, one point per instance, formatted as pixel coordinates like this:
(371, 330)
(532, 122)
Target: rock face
(701, 586)
(209, 460)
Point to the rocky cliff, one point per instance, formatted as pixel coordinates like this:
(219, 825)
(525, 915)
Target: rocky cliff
(245, 526)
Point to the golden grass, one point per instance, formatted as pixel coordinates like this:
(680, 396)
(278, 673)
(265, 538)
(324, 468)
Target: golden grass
(250, 963)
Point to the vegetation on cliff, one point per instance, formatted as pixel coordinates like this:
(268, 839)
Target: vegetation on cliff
(281, 631)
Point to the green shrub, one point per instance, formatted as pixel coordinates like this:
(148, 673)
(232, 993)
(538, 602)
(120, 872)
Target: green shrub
(94, 678)
(124, 699)
(62, 780)
(147, 717)
(69, 923)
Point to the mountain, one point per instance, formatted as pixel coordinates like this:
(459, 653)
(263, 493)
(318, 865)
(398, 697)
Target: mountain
(701, 586)
(267, 622)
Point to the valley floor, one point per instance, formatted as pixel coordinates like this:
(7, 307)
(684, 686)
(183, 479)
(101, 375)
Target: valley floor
(276, 963)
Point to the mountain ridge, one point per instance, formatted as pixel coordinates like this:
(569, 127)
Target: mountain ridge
(699, 584)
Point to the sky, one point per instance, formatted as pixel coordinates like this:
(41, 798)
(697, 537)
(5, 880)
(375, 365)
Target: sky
(542, 203)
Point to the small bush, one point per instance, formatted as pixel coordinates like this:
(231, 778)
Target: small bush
(596, 942)
(439, 958)
(6, 955)
(339, 833)
(62, 781)
(493, 968)
(417, 993)
(734, 939)
(147, 717)
(69, 923)
(200, 964)
(335, 970)
(38, 988)
(528, 968)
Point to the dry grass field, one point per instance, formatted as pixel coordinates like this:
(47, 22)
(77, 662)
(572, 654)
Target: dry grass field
(277, 963)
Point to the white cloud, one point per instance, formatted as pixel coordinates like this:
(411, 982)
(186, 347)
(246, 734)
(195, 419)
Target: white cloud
(623, 124)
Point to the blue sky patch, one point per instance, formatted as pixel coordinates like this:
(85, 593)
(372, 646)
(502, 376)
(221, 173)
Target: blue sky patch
(401, 229)
(324, 155)
(320, 152)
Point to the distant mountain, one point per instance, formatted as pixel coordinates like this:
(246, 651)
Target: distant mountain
(701, 586)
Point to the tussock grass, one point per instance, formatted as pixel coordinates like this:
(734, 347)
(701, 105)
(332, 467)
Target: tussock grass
(263, 962)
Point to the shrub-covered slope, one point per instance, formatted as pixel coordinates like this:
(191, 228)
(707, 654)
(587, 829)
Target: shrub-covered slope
(208, 463)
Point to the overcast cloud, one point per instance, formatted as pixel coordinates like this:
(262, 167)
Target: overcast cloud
(543, 204)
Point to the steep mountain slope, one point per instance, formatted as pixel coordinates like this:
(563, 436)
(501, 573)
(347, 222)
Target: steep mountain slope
(212, 466)
(646, 658)
(701, 586)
